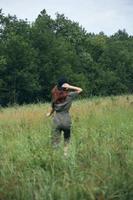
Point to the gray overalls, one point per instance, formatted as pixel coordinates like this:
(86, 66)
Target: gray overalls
(62, 119)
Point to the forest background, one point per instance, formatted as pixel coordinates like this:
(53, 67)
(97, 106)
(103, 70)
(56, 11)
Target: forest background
(34, 55)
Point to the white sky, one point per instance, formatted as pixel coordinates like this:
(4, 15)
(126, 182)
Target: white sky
(94, 15)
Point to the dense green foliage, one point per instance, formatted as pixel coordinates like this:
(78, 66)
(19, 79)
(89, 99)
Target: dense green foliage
(33, 56)
(99, 165)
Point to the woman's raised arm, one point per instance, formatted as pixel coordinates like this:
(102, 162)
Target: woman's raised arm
(77, 89)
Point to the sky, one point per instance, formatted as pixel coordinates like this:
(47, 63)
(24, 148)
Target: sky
(95, 16)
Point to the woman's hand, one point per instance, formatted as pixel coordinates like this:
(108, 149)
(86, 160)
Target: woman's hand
(66, 85)
(48, 114)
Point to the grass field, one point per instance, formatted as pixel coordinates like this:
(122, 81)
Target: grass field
(99, 165)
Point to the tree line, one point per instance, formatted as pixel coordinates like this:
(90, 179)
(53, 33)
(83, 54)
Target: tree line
(34, 55)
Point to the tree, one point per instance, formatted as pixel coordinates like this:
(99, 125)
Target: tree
(18, 75)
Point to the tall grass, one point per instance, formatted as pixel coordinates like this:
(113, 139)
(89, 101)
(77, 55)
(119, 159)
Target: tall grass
(100, 160)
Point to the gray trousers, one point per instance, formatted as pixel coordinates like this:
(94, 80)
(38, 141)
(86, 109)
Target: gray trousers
(61, 123)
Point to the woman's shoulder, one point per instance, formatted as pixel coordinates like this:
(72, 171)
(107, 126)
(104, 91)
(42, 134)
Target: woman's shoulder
(72, 94)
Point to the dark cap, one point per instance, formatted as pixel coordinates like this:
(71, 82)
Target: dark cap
(61, 81)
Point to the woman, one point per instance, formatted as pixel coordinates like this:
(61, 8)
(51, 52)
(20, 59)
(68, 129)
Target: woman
(62, 97)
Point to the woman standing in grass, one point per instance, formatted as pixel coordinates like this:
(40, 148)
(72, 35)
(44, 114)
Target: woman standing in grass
(62, 97)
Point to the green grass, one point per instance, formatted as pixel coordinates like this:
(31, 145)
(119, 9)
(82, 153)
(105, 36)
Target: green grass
(99, 164)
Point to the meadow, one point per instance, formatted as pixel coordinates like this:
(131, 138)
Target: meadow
(99, 165)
